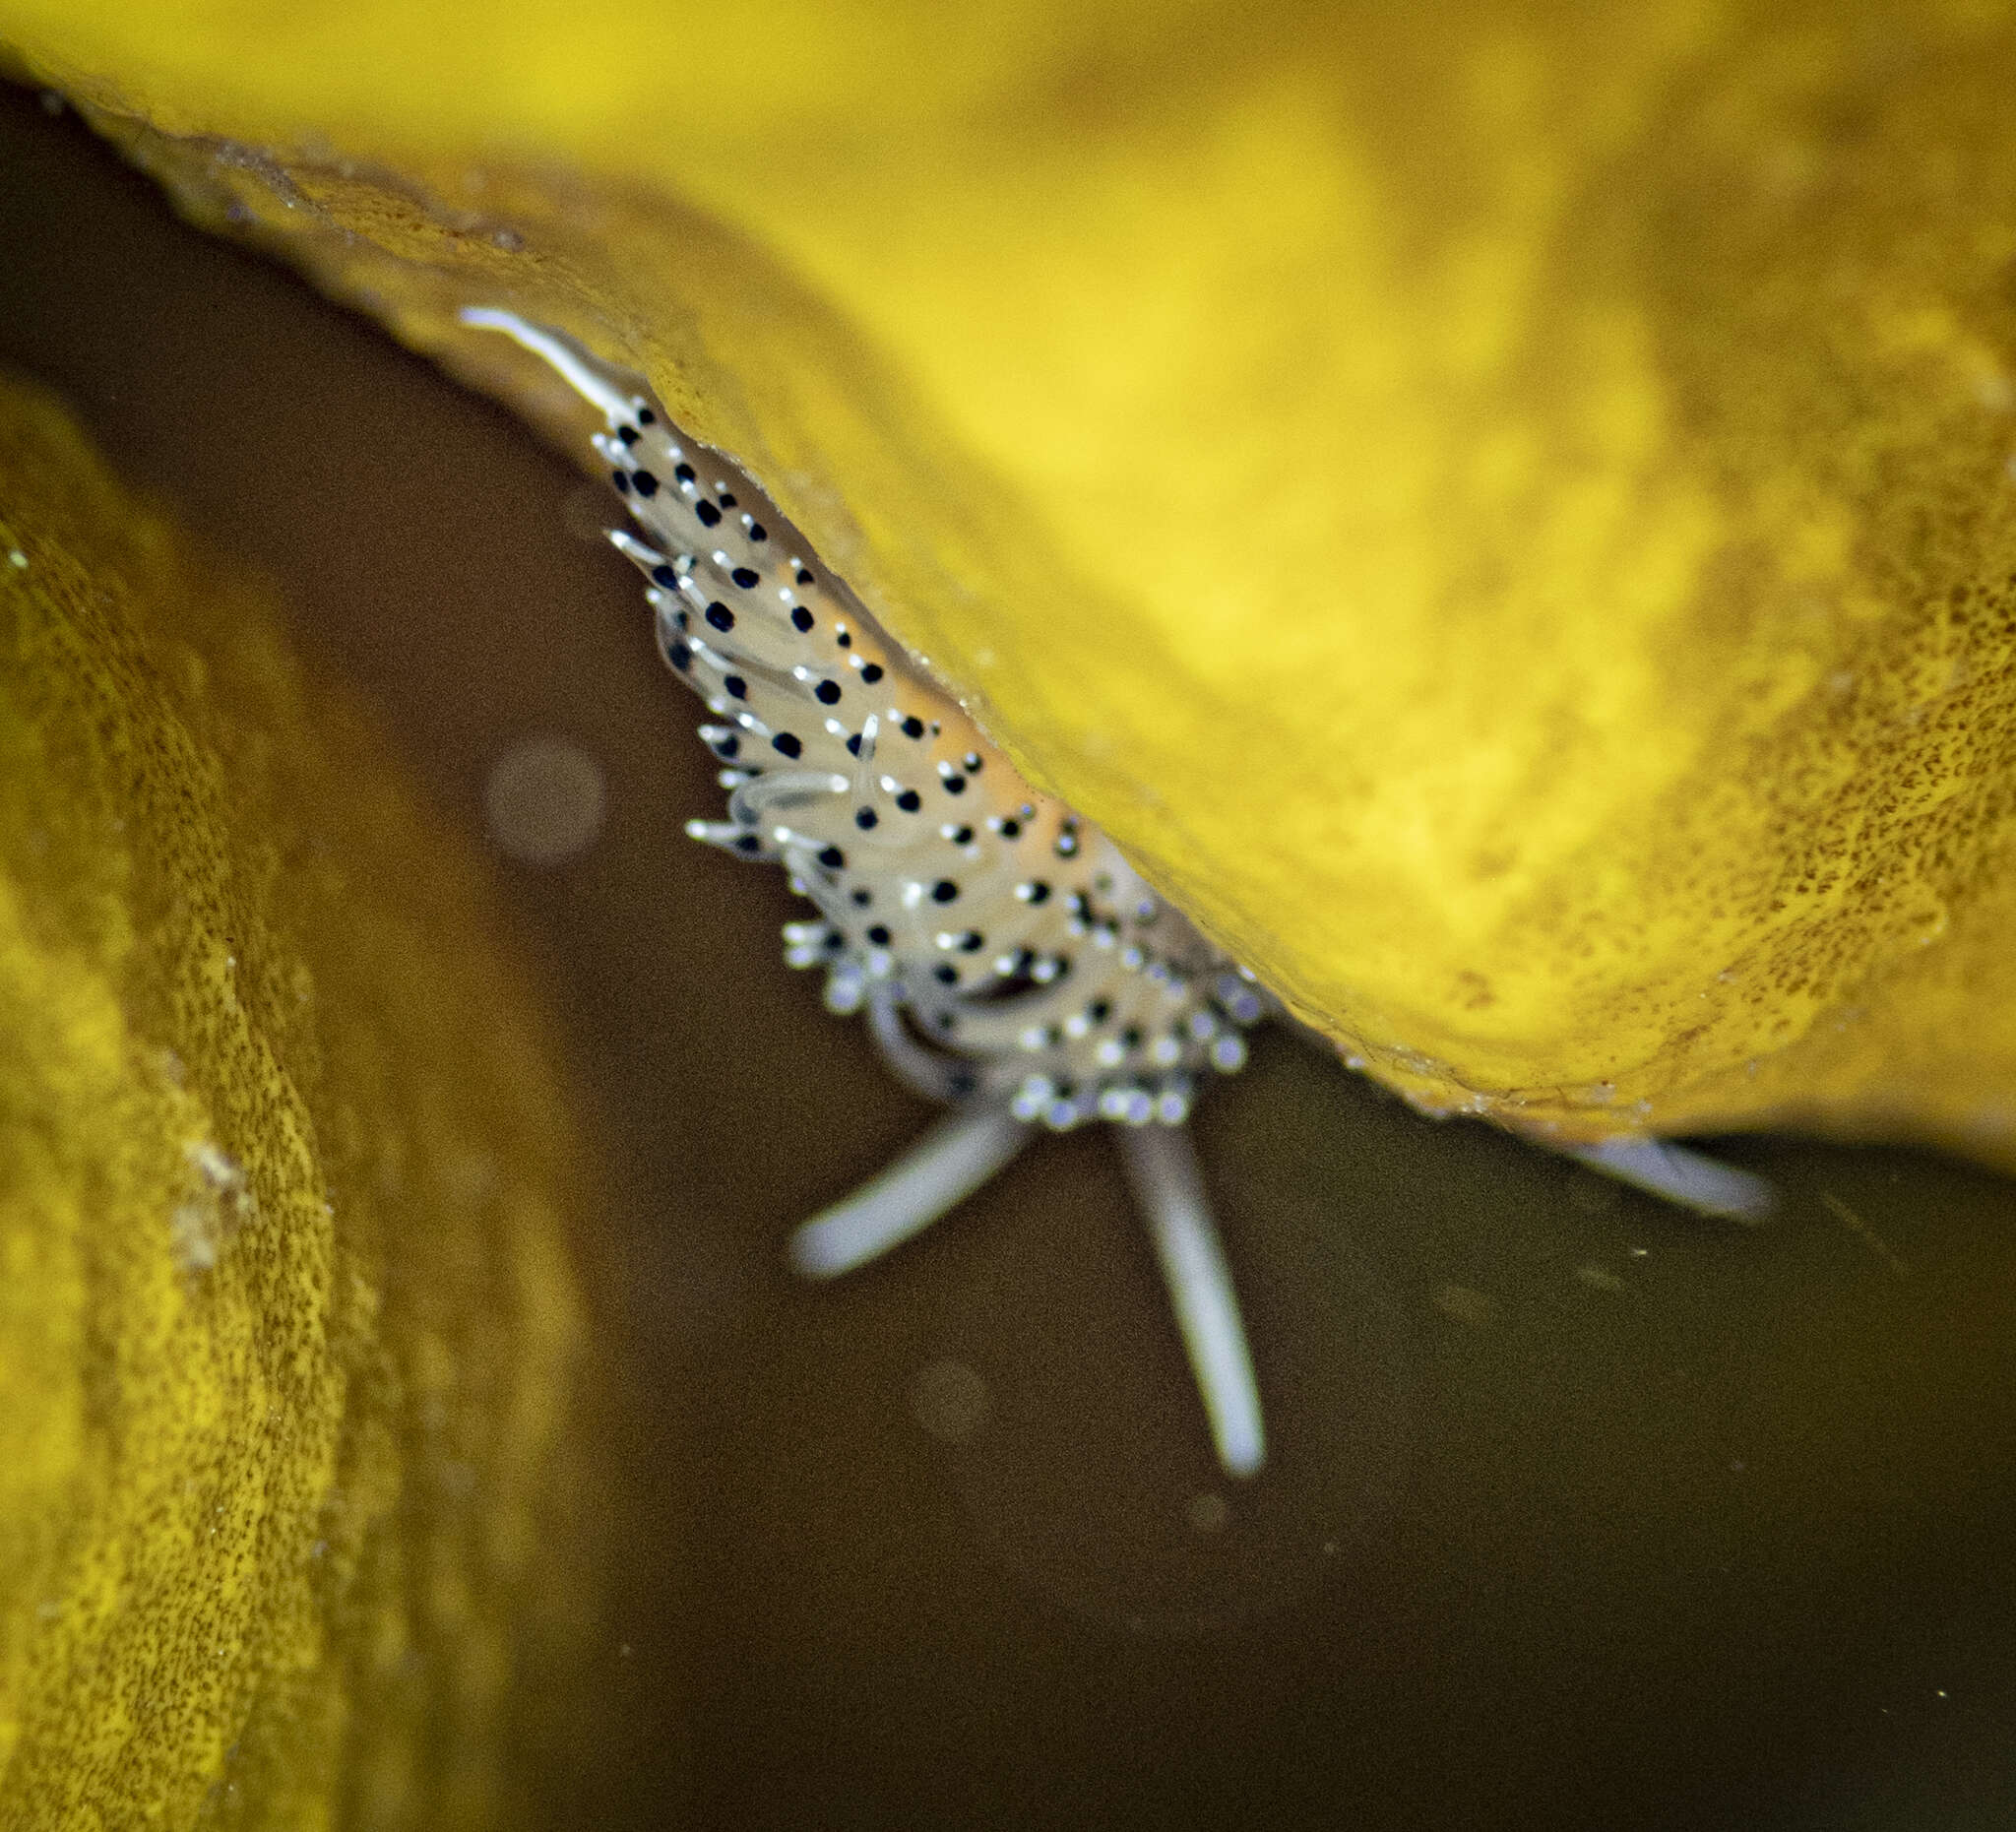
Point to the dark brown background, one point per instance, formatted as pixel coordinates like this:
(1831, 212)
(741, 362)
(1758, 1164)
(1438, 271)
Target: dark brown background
(1580, 1512)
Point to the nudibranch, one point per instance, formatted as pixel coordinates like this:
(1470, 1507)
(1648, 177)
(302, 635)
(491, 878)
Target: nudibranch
(1011, 964)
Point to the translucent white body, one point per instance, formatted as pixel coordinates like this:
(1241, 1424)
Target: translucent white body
(1010, 962)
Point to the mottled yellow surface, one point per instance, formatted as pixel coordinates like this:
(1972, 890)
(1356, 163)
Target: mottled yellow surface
(289, 1337)
(1504, 509)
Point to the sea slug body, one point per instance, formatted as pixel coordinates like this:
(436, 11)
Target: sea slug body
(1012, 965)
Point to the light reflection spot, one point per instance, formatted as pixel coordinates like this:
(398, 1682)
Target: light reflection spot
(950, 1401)
(1594, 1195)
(1479, 1309)
(544, 802)
(1207, 1513)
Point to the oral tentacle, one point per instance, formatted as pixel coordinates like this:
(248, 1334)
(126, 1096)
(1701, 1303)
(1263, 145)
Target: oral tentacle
(1169, 1189)
(963, 1151)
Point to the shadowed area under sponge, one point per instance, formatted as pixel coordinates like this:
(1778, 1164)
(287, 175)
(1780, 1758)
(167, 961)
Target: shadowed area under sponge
(291, 1350)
